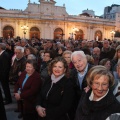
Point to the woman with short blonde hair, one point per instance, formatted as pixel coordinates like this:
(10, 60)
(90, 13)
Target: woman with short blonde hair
(98, 102)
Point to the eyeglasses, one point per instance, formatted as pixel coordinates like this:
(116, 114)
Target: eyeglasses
(97, 85)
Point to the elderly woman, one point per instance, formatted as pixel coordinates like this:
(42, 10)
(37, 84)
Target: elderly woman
(57, 94)
(99, 102)
(27, 88)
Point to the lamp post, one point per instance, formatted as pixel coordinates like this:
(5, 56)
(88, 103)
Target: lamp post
(112, 34)
(24, 28)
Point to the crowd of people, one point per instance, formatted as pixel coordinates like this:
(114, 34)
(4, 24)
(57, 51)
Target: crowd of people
(61, 79)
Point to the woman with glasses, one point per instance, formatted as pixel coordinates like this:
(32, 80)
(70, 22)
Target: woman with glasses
(98, 102)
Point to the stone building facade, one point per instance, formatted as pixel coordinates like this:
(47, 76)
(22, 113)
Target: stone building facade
(48, 21)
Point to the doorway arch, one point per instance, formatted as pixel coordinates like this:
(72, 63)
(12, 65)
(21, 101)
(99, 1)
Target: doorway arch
(8, 32)
(58, 33)
(34, 33)
(98, 35)
(79, 35)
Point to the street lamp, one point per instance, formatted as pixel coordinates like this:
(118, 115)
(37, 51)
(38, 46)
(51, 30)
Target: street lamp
(24, 28)
(112, 34)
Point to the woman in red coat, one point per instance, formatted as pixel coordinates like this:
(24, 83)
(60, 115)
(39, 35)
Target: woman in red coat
(27, 88)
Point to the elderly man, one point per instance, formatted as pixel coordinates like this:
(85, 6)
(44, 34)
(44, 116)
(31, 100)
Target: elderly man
(4, 73)
(24, 43)
(78, 75)
(18, 64)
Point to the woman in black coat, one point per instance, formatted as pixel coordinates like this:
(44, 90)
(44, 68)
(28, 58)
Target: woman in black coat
(57, 94)
(99, 102)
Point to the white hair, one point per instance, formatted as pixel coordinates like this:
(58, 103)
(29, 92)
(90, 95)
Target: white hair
(78, 53)
(19, 48)
(31, 56)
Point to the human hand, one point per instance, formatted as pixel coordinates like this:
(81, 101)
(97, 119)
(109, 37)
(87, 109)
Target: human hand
(19, 73)
(17, 96)
(41, 111)
(87, 89)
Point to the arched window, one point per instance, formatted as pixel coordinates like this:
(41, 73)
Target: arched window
(58, 33)
(34, 32)
(98, 35)
(8, 32)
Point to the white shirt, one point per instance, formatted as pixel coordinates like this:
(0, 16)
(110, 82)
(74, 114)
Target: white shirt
(116, 91)
(2, 52)
(92, 96)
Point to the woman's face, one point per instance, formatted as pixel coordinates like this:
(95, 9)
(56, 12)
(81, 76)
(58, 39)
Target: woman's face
(27, 52)
(58, 69)
(67, 57)
(100, 86)
(118, 53)
(29, 69)
(60, 51)
(108, 65)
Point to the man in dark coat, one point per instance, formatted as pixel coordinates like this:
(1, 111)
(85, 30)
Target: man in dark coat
(78, 75)
(18, 65)
(107, 51)
(2, 109)
(4, 73)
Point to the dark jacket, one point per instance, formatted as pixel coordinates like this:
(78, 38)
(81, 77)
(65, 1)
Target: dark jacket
(18, 66)
(107, 54)
(4, 74)
(59, 99)
(30, 90)
(78, 91)
(75, 81)
(2, 109)
(97, 110)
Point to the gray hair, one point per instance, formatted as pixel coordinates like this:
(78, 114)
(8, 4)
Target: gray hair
(19, 48)
(31, 56)
(24, 40)
(66, 52)
(78, 53)
(3, 46)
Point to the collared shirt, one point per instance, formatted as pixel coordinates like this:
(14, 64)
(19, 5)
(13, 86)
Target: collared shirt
(2, 52)
(116, 88)
(81, 76)
(92, 96)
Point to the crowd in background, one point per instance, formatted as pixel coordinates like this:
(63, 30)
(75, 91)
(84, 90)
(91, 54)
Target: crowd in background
(61, 79)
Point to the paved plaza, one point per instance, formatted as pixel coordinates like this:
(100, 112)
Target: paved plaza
(11, 115)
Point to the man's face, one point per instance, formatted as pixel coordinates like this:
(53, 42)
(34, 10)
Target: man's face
(106, 44)
(79, 62)
(23, 43)
(96, 52)
(18, 53)
(49, 44)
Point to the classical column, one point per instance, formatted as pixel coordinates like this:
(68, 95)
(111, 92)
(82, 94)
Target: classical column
(1, 28)
(16, 33)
